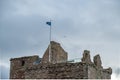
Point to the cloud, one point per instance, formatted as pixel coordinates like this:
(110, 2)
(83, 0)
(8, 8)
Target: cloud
(117, 71)
(115, 77)
(4, 71)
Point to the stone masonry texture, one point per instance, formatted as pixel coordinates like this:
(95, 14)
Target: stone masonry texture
(58, 54)
(33, 67)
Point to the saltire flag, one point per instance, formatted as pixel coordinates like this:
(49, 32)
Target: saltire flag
(48, 23)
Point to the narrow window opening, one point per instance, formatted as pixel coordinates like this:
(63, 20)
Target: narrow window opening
(23, 63)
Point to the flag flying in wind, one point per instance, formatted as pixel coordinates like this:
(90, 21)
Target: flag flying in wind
(48, 23)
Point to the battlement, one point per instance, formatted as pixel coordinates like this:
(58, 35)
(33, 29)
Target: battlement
(33, 67)
(24, 58)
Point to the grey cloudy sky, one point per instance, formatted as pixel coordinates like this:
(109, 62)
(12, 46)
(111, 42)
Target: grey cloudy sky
(76, 24)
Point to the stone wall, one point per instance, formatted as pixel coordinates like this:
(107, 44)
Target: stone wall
(106, 73)
(57, 71)
(18, 66)
(57, 55)
(66, 70)
(98, 73)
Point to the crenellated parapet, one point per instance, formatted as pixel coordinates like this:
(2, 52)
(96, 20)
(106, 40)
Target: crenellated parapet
(95, 69)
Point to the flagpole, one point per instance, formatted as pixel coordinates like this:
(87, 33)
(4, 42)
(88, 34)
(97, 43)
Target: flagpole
(50, 44)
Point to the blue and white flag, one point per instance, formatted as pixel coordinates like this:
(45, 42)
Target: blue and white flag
(48, 23)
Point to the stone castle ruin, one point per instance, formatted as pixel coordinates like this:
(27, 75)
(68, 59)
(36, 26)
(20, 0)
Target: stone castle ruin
(33, 67)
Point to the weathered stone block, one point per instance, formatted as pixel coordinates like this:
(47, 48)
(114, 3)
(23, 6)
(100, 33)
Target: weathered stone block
(97, 61)
(86, 57)
(57, 54)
